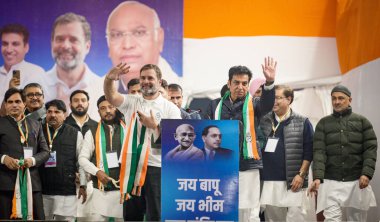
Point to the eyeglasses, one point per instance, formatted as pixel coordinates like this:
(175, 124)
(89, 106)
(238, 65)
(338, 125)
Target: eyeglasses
(117, 36)
(279, 97)
(31, 95)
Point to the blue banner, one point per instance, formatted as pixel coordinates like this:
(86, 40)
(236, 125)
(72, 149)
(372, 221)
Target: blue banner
(200, 168)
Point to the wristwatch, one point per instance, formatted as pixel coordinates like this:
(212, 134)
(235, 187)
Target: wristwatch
(302, 174)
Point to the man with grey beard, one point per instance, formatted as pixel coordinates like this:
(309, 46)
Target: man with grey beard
(146, 113)
(70, 44)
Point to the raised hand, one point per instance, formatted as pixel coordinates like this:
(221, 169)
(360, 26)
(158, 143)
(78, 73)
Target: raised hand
(269, 69)
(116, 72)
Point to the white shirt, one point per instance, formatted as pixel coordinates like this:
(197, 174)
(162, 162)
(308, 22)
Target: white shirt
(86, 153)
(91, 83)
(162, 109)
(28, 73)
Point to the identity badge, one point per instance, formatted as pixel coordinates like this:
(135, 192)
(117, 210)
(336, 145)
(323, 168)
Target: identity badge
(271, 145)
(28, 152)
(52, 161)
(112, 159)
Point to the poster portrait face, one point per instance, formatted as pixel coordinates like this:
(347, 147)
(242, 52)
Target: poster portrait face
(134, 36)
(13, 48)
(69, 46)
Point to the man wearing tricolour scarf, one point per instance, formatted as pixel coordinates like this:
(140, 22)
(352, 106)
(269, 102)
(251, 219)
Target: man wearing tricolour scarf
(99, 157)
(142, 115)
(237, 104)
(22, 149)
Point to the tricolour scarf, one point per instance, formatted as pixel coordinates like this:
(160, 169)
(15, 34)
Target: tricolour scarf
(22, 203)
(134, 159)
(249, 143)
(101, 152)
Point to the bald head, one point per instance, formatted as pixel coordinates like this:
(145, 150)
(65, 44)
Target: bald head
(130, 8)
(134, 36)
(185, 135)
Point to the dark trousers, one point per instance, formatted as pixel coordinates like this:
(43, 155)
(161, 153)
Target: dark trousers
(153, 193)
(6, 205)
(134, 208)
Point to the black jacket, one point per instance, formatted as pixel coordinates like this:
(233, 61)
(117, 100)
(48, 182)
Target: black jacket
(90, 124)
(11, 146)
(60, 180)
(234, 111)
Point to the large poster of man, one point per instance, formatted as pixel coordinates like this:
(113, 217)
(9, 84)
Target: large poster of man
(200, 170)
(76, 43)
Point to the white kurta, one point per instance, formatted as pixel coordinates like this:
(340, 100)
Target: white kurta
(276, 193)
(346, 194)
(104, 203)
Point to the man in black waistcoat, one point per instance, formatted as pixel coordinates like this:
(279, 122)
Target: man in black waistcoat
(20, 137)
(58, 173)
(105, 200)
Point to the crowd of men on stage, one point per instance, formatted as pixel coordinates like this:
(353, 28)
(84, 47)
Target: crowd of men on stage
(64, 140)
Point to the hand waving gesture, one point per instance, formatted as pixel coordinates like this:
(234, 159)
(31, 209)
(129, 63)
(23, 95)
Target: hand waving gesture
(269, 69)
(116, 72)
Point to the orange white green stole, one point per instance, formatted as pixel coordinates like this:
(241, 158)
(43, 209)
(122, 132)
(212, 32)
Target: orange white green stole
(101, 152)
(22, 203)
(134, 159)
(249, 144)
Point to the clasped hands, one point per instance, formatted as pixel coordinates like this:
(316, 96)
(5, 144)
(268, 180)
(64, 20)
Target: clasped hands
(13, 164)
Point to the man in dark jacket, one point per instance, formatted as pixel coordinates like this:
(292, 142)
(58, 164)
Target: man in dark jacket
(345, 151)
(286, 159)
(237, 104)
(20, 138)
(58, 173)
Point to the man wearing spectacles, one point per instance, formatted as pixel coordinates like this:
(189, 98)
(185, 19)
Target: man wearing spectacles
(286, 159)
(34, 102)
(134, 36)
(185, 151)
(70, 44)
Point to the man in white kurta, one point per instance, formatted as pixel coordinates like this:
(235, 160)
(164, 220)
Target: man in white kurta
(103, 204)
(58, 173)
(345, 150)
